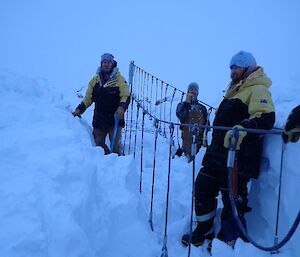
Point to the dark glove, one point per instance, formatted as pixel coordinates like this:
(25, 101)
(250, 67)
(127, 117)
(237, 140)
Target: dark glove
(230, 134)
(77, 113)
(291, 131)
(291, 135)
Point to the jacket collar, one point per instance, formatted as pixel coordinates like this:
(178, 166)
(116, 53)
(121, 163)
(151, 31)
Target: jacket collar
(112, 76)
(258, 77)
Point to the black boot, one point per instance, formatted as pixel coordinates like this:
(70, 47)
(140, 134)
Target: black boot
(196, 241)
(179, 152)
(197, 238)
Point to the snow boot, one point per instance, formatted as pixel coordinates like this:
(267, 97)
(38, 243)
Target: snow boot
(197, 239)
(179, 152)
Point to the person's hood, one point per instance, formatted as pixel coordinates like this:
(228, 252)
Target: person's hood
(258, 77)
(113, 74)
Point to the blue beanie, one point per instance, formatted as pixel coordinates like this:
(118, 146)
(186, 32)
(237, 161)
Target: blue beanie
(107, 57)
(243, 59)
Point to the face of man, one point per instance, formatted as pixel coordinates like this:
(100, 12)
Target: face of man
(237, 73)
(106, 66)
(193, 91)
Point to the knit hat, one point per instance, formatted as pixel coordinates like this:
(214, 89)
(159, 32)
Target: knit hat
(107, 57)
(193, 85)
(243, 59)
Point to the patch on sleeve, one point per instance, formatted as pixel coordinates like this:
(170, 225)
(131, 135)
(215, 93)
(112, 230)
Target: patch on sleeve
(263, 101)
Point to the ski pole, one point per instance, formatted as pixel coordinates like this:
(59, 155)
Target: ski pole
(113, 141)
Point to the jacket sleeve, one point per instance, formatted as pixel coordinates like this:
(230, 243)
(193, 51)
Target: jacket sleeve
(261, 109)
(182, 111)
(124, 92)
(87, 101)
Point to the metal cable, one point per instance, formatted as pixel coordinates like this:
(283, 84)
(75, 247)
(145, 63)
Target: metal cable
(142, 147)
(156, 92)
(132, 99)
(279, 195)
(179, 90)
(153, 174)
(165, 104)
(165, 249)
(151, 95)
(136, 125)
(160, 109)
(177, 127)
(148, 99)
(131, 72)
(275, 131)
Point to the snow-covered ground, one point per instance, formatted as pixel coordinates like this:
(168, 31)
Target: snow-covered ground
(60, 196)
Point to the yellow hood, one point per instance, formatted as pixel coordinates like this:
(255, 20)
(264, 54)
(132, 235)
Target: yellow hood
(258, 77)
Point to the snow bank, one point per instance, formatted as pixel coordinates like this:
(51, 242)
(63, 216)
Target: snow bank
(60, 196)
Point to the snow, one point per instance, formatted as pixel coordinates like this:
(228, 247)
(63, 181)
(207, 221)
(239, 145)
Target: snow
(60, 196)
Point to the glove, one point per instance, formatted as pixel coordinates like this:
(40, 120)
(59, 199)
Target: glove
(120, 111)
(77, 113)
(189, 98)
(291, 135)
(291, 131)
(230, 135)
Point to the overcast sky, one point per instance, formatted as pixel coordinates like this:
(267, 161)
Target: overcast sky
(178, 41)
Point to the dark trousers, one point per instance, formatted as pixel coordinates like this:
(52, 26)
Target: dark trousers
(100, 136)
(207, 186)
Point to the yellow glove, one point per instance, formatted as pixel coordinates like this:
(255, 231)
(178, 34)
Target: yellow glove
(291, 135)
(120, 111)
(230, 136)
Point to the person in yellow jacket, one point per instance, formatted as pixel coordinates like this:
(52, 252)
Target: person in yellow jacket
(109, 91)
(247, 104)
